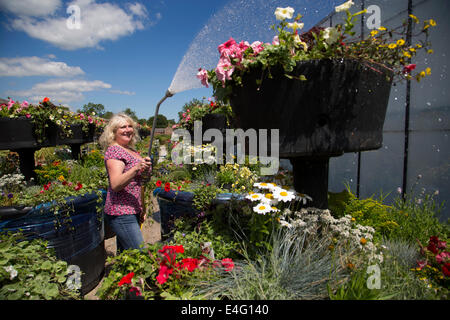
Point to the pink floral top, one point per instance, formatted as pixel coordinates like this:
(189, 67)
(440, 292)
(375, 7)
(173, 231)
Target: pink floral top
(127, 200)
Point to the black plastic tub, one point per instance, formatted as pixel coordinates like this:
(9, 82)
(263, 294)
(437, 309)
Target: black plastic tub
(76, 234)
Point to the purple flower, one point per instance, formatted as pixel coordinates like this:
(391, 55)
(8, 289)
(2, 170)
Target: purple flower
(10, 195)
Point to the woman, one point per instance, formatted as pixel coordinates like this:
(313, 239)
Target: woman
(123, 206)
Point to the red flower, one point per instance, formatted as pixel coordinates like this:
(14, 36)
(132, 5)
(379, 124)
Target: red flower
(78, 186)
(64, 183)
(164, 273)
(421, 264)
(46, 186)
(446, 269)
(158, 183)
(126, 279)
(409, 68)
(136, 291)
(432, 247)
(179, 187)
(46, 100)
(167, 187)
(228, 264)
(189, 263)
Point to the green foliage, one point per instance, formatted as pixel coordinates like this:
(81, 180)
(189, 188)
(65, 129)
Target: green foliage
(30, 271)
(51, 172)
(132, 260)
(203, 196)
(93, 109)
(404, 220)
(161, 121)
(193, 236)
(93, 158)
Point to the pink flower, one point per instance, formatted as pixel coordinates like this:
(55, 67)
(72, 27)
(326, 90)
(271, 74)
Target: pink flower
(227, 48)
(224, 70)
(203, 76)
(275, 41)
(28, 115)
(442, 257)
(10, 103)
(90, 119)
(136, 291)
(257, 47)
(81, 116)
(24, 104)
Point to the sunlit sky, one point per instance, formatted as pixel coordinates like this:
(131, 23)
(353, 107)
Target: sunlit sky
(124, 55)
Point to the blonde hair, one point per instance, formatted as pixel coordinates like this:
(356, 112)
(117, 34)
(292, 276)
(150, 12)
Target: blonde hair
(109, 133)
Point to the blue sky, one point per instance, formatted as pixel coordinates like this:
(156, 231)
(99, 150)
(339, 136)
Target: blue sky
(125, 54)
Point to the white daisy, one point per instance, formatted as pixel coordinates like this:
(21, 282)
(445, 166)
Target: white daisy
(284, 13)
(283, 195)
(262, 208)
(254, 196)
(262, 185)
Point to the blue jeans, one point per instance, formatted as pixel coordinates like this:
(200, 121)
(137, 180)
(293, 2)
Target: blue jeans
(127, 230)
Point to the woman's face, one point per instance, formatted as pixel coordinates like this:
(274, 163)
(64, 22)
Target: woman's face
(124, 133)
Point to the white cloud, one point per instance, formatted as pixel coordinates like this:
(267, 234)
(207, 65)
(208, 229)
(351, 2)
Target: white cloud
(33, 8)
(99, 22)
(36, 66)
(128, 93)
(63, 91)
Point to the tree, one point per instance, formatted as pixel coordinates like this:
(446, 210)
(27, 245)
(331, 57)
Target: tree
(161, 121)
(131, 114)
(97, 108)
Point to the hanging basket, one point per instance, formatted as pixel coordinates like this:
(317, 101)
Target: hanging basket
(340, 107)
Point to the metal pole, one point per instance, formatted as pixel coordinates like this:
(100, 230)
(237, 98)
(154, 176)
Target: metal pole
(408, 102)
(358, 173)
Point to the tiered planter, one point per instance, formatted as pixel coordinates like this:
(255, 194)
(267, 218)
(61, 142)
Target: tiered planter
(77, 237)
(18, 134)
(340, 108)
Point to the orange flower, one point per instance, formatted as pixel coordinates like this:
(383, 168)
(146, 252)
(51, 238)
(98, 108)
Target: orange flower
(363, 241)
(46, 100)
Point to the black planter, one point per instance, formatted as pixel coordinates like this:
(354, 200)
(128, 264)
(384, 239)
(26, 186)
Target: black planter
(13, 212)
(77, 237)
(341, 107)
(19, 133)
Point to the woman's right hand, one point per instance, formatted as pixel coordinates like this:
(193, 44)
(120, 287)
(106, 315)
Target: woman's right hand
(143, 165)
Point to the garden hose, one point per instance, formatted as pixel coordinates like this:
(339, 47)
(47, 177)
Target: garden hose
(167, 95)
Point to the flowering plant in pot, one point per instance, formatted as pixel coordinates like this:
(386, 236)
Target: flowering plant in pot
(382, 49)
(197, 110)
(325, 90)
(45, 114)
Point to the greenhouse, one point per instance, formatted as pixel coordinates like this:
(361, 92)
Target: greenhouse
(316, 169)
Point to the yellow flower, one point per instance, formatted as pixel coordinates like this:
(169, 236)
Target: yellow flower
(428, 70)
(430, 51)
(422, 74)
(400, 42)
(414, 18)
(373, 33)
(353, 219)
(407, 54)
(418, 45)
(432, 22)
(392, 46)
(382, 29)
(412, 49)
(61, 178)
